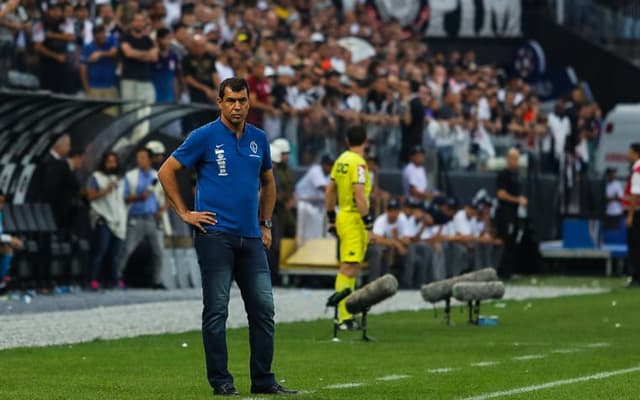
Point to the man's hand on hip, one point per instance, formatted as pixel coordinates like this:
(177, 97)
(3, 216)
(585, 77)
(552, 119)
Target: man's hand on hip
(199, 218)
(266, 237)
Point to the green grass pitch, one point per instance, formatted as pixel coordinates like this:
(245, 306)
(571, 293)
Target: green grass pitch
(415, 357)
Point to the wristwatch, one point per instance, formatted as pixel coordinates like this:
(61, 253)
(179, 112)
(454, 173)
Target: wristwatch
(266, 223)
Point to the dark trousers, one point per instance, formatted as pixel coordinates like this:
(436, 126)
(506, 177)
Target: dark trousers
(633, 245)
(104, 244)
(507, 230)
(223, 257)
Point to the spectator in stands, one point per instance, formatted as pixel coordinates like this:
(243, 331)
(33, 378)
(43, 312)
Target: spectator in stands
(10, 25)
(310, 199)
(285, 182)
(139, 54)
(98, 66)
(510, 198)
(166, 69)
(8, 245)
(108, 216)
(50, 42)
(614, 194)
(386, 241)
(413, 117)
(106, 18)
(200, 75)
(82, 26)
(260, 92)
(414, 177)
(140, 186)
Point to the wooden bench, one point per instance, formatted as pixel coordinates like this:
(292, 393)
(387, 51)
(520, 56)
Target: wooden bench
(317, 257)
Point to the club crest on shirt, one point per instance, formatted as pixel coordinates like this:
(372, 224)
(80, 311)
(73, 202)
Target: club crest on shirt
(253, 146)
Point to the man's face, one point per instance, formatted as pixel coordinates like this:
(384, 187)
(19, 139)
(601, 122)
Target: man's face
(100, 37)
(418, 158)
(143, 160)
(199, 46)
(106, 12)
(633, 156)
(234, 106)
(111, 164)
(512, 160)
(138, 23)
(326, 168)
(81, 14)
(393, 214)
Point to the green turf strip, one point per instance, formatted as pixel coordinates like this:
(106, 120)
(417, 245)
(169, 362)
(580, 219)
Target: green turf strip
(576, 335)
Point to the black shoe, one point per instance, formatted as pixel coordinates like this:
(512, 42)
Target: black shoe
(273, 389)
(226, 389)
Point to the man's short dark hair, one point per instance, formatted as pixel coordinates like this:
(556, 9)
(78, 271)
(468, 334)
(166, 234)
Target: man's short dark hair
(99, 28)
(356, 135)
(235, 84)
(635, 147)
(177, 26)
(162, 33)
(145, 150)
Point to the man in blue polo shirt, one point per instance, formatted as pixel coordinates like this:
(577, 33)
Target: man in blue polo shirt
(233, 208)
(98, 66)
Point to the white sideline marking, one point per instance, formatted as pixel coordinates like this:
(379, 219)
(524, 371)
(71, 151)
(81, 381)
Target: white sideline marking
(441, 370)
(392, 377)
(533, 388)
(529, 357)
(597, 345)
(565, 351)
(484, 364)
(344, 385)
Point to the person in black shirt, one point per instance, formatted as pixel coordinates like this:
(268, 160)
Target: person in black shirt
(51, 44)
(139, 54)
(200, 74)
(413, 119)
(509, 199)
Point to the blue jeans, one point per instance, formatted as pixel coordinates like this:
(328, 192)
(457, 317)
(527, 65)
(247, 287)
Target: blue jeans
(105, 243)
(223, 257)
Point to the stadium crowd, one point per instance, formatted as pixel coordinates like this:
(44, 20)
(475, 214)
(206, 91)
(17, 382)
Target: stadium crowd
(314, 67)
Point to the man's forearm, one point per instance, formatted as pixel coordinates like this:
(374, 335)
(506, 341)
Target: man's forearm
(167, 178)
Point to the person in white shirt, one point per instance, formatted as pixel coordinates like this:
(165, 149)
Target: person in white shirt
(108, 216)
(614, 193)
(310, 198)
(560, 128)
(385, 241)
(419, 261)
(434, 221)
(456, 235)
(488, 247)
(414, 177)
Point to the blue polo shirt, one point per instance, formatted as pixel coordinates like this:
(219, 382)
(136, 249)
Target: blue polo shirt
(102, 73)
(228, 174)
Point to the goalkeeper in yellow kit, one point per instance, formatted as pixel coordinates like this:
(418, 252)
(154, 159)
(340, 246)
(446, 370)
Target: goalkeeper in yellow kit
(351, 185)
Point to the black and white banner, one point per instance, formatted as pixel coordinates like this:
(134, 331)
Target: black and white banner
(454, 18)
